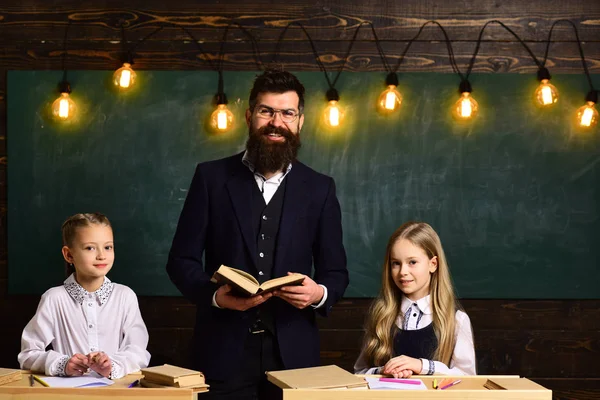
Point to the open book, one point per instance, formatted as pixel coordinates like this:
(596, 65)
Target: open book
(246, 284)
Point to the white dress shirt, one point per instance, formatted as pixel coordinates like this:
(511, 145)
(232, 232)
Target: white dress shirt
(268, 187)
(418, 315)
(75, 321)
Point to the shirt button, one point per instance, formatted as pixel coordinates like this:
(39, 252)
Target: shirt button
(415, 314)
(261, 273)
(91, 326)
(261, 255)
(90, 295)
(264, 217)
(89, 304)
(92, 349)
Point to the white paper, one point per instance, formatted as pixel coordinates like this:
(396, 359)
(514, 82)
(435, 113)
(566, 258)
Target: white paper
(89, 380)
(375, 383)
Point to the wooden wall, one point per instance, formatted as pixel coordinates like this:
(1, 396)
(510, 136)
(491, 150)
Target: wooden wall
(555, 342)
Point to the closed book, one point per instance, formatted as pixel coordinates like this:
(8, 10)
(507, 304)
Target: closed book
(196, 388)
(172, 375)
(245, 284)
(326, 377)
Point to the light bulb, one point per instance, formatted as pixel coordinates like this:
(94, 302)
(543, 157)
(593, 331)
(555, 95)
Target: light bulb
(546, 94)
(333, 114)
(389, 100)
(587, 115)
(64, 107)
(221, 119)
(124, 77)
(465, 108)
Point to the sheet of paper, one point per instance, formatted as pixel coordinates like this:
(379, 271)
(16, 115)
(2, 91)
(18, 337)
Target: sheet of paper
(375, 383)
(88, 380)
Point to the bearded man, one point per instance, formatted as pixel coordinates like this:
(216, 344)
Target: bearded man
(266, 213)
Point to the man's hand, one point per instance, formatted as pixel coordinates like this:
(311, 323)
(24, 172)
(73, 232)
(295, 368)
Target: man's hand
(100, 363)
(303, 295)
(77, 365)
(226, 299)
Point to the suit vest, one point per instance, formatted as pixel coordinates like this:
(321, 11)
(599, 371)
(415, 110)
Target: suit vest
(266, 219)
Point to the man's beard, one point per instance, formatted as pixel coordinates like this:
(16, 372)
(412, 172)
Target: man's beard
(268, 155)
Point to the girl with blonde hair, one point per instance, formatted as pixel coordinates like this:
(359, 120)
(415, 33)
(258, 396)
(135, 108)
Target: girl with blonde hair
(416, 325)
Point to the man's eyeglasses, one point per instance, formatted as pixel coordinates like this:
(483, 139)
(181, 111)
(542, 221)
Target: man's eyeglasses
(266, 112)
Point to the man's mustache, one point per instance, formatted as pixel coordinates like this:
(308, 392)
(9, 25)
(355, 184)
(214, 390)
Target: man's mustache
(268, 129)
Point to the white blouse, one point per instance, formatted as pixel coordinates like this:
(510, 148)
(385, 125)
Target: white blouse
(418, 315)
(75, 321)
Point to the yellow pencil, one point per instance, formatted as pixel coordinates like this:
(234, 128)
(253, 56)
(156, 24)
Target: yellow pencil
(435, 386)
(37, 378)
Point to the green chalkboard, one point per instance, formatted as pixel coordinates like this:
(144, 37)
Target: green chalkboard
(514, 196)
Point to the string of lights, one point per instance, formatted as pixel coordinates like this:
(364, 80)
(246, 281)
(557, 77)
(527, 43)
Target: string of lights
(389, 101)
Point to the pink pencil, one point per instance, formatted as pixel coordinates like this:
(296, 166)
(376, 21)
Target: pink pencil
(450, 384)
(395, 380)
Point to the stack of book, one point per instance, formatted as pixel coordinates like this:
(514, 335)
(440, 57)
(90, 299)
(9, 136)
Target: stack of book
(170, 376)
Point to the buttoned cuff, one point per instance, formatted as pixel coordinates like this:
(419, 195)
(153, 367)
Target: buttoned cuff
(323, 300)
(428, 367)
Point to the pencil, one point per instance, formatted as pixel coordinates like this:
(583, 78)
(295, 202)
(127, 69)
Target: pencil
(37, 378)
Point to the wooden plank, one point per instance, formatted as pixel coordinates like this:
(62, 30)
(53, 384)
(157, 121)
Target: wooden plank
(491, 314)
(530, 353)
(326, 19)
(422, 57)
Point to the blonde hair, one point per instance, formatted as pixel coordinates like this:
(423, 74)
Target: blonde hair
(380, 326)
(73, 223)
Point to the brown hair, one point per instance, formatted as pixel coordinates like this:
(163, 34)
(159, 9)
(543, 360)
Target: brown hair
(276, 81)
(73, 223)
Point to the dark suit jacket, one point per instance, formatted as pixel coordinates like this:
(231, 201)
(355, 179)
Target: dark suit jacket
(216, 221)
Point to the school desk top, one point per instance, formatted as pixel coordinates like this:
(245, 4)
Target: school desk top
(118, 391)
(471, 387)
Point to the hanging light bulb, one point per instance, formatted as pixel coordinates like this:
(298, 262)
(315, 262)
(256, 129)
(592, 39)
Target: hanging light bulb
(546, 94)
(466, 107)
(587, 115)
(221, 120)
(390, 99)
(64, 108)
(333, 114)
(124, 78)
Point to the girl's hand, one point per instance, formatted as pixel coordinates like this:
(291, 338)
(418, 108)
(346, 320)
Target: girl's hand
(100, 363)
(398, 366)
(402, 373)
(77, 365)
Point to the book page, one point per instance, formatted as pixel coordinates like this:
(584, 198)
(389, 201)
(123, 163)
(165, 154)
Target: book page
(90, 380)
(244, 274)
(240, 281)
(375, 383)
(288, 280)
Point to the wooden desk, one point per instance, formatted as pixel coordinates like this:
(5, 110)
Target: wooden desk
(20, 390)
(470, 388)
